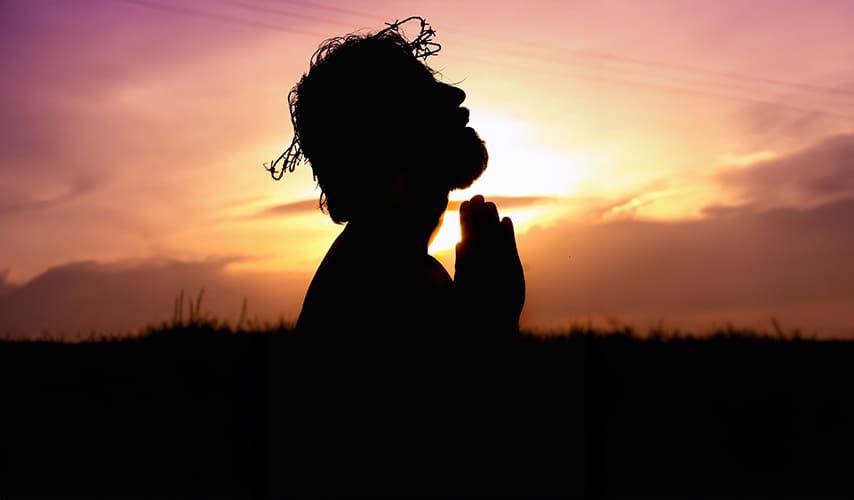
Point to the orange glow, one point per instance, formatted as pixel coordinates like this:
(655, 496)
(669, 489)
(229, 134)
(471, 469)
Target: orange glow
(597, 117)
(521, 166)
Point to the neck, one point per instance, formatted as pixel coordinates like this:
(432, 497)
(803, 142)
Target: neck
(405, 221)
(395, 234)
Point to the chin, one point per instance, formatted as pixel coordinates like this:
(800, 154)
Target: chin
(470, 158)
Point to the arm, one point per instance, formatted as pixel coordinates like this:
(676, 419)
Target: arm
(489, 281)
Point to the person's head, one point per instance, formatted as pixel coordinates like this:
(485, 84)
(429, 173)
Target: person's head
(368, 112)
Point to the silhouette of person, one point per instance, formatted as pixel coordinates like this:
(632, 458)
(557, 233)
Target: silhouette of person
(387, 142)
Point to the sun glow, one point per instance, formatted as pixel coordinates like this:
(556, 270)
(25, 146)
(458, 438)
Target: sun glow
(449, 232)
(519, 166)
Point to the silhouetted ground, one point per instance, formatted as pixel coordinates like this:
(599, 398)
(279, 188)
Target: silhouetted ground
(198, 411)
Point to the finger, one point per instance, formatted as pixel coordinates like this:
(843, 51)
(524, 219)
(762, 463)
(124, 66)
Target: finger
(507, 224)
(485, 222)
(509, 232)
(465, 220)
(490, 212)
(465, 205)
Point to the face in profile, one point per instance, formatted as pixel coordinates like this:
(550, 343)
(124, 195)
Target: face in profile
(368, 111)
(451, 149)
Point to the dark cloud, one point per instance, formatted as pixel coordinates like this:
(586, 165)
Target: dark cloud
(74, 299)
(64, 65)
(71, 77)
(306, 206)
(5, 286)
(292, 208)
(815, 174)
(238, 202)
(505, 202)
(78, 186)
(742, 265)
(776, 126)
(720, 210)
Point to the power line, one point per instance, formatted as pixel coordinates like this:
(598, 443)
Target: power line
(566, 72)
(272, 10)
(666, 85)
(598, 55)
(620, 71)
(663, 88)
(218, 17)
(599, 60)
(329, 8)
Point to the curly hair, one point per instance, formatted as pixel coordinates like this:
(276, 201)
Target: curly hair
(347, 98)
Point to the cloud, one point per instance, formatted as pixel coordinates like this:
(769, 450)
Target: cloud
(5, 286)
(741, 264)
(718, 210)
(813, 175)
(769, 120)
(116, 87)
(786, 124)
(78, 186)
(292, 208)
(506, 202)
(76, 298)
(307, 206)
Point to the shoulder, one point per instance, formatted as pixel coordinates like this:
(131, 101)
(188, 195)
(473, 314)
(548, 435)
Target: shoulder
(436, 274)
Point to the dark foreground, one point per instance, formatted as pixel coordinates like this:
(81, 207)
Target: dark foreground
(196, 412)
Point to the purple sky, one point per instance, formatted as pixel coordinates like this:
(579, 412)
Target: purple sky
(682, 162)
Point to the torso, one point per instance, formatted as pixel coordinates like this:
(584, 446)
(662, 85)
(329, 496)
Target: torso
(362, 285)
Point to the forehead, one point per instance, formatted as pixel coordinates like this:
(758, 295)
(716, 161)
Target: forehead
(398, 65)
(381, 58)
(368, 75)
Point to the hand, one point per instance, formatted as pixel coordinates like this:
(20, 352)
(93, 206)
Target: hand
(488, 276)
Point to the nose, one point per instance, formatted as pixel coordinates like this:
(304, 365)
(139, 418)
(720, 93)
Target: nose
(451, 94)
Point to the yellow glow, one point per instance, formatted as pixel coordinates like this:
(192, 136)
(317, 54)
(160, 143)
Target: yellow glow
(748, 159)
(449, 233)
(520, 166)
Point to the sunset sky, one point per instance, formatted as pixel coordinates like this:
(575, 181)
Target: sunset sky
(673, 162)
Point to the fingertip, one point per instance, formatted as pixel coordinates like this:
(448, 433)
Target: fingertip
(465, 220)
(490, 211)
(507, 222)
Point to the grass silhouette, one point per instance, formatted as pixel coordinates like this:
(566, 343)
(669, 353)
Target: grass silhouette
(196, 406)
